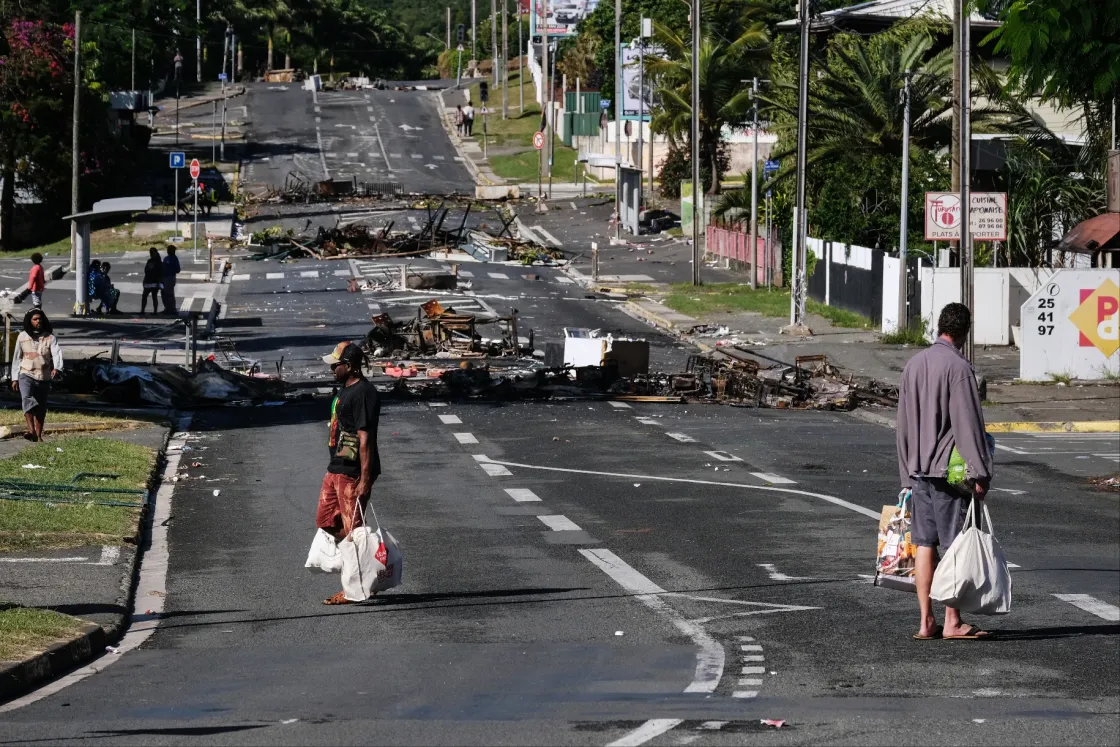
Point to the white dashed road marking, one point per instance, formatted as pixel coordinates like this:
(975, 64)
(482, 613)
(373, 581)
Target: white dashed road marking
(682, 437)
(1092, 605)
(620, 405)
(274, 276)
(559, 523)
(346, 273)
(494, 470)
(309, 274)
(723, 456)
(450, 419)
(564, 281)
(498, 275)
(466, 438)
(469, 274)
(240, 277)
(647, 731)
(522, 495)
(773, 479)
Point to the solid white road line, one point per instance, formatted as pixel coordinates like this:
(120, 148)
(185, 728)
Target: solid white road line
(710, 657)
(1092, 605)
(522, 495)
(498, 275)
(450, 419)
(620, 405)
(773, 479)
(81, 559)
(1004, 447)
(682, 437)
(691, 481)
(466, 438)
(151, 588)
(558, 523)
(723, 456)
(647, 731)
(274, 276)
(309, 274)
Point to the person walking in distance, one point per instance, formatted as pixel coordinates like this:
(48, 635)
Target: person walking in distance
(171, 269)
(153, 280)
(939, 409)
(468, 120)
(36, 361)
(36, 280)
(459, 120)
(354, 461)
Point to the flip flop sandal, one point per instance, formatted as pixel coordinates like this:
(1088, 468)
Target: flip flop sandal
(338, 598)
(936, 635)
(974, 634)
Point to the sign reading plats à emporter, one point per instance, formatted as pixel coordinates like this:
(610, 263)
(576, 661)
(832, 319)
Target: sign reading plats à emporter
(987, 218)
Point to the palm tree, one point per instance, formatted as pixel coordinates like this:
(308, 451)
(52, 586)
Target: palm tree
(729, 54)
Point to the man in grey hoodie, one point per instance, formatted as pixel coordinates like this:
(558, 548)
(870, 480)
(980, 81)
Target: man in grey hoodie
(939, 408)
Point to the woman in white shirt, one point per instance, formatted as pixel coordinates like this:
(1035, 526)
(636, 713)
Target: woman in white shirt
(37, 360)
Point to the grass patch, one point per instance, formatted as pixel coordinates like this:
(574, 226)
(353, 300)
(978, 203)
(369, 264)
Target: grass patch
(1061, 378)
(523, 166)
(15, 417)
(103, 241)
(518, 127)
(32, 525)
(915, 334)
(26, 631)
(723, 298)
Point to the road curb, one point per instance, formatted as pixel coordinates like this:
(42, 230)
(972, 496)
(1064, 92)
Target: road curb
(18, 678)
(22, 677)
(1072, 426)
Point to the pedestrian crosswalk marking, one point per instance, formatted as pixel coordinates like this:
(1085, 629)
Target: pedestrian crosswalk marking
(309, 274)
(275, 276)
(342, 273)
(498, 275)
(240, 277)
(773, 479)
(1092, 605)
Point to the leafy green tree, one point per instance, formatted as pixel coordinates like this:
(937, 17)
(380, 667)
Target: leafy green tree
(730, 52)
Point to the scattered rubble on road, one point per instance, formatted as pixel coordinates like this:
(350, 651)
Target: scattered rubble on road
(444, 333)
(167, 385)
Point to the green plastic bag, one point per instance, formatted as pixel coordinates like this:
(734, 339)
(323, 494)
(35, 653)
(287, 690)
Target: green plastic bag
(957, 467)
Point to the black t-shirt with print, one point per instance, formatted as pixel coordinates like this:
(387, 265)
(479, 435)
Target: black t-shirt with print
(356, 408)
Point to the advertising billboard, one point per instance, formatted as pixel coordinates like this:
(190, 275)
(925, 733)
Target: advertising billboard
(633, 85)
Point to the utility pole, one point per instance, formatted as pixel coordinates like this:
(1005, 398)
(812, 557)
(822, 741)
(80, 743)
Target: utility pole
(133, 88)
(1114, 123)
(494, 40)
(955, 142)
(696, 186)
(198, 38)
(541, 206)
(967, 287)
(505, 59)
(75, 206)
(754, 186)
(448, 45)
(797, 282)
(618, 119)
(551, 144)
(474, 30)
(904, 213)
(645, 32)
(520, 64)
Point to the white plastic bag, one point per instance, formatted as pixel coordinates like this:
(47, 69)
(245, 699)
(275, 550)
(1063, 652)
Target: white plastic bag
(973, 575)
(371, 562)
(324, 555)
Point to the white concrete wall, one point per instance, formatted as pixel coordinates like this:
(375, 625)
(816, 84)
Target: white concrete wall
(992, 322)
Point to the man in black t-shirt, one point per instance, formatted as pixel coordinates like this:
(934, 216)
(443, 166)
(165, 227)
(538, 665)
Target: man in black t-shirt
(354, 462)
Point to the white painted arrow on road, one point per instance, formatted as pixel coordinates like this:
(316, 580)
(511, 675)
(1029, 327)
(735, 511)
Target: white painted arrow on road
(406, 127)
(430, 166)
(352, 127)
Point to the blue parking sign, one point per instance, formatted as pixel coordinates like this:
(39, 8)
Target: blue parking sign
(178, 160)
(221, 76)
(771, 166)
(605, 103)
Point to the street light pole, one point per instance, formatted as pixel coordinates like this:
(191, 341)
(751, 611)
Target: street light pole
(198, 38)
(754, 186)
(505, 59)
(797, 282)
(617, 120)
(967, 259)
(904, 213)
(474, 29)
(696, 186)
(494, 41)
(520, 64)
(75, 206)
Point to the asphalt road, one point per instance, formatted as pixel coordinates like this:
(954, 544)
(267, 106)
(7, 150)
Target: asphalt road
(587, 573)
(374, 137)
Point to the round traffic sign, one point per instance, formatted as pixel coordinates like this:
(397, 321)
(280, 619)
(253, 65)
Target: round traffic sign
(538, 140)
(196, 168)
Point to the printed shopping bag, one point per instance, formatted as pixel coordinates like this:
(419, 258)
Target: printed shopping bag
(324, 555)
(371, 562)
(973, 575)
(895, 555)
